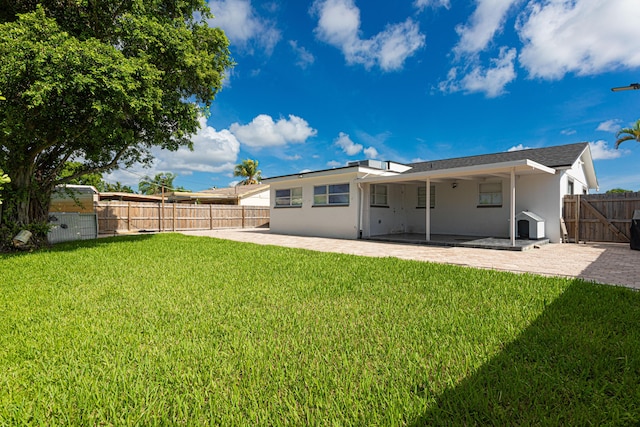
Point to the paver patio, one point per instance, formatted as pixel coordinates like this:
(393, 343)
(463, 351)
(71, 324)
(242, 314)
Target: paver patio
(610, 263)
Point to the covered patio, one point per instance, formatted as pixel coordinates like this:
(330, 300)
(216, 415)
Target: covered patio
(458, 206)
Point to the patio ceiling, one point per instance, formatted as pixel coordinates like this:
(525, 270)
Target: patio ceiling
(501, 170)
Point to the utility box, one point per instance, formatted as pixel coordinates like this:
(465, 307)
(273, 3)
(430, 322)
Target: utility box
(529, 225)
(635, 231)
(69, 226)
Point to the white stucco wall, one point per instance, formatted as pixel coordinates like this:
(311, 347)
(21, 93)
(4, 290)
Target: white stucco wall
(308, 220)
(259, 199)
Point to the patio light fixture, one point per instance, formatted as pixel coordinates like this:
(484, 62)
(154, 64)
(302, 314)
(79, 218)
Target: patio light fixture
(632, 86)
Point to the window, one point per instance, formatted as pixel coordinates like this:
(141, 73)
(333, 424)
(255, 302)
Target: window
(422, 196)
(379, 195)
(490, 194)
(570, 186)
(289, 197)
(333, 194)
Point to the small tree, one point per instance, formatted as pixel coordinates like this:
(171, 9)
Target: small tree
(118, 187)
(249, 170)
(627, 134)
(154, 186)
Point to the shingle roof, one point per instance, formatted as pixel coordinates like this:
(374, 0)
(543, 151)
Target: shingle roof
(553, 157)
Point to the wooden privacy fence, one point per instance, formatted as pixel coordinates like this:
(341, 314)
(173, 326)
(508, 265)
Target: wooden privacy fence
(600, 217)
(114, 216)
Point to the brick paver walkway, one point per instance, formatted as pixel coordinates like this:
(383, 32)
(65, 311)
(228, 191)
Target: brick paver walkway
(609, 263)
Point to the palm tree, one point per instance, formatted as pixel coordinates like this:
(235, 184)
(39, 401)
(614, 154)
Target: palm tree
(249, 170)
(629, 134)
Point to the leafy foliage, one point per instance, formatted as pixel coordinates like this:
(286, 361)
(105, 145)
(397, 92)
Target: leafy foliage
(249, 170)
(71, 169)
(4, 179)
(628, 134)
(118, 187)
(100, 83)
(162, 180)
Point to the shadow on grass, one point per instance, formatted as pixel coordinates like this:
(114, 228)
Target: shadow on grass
(577, 364)
(80, 244)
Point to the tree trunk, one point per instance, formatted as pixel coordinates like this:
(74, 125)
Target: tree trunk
(25, 201)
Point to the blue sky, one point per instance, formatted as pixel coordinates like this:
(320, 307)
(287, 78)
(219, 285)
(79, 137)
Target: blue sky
(321, 83)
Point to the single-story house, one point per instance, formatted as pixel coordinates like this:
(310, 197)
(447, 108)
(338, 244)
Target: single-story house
(241, 195)
(502, 195)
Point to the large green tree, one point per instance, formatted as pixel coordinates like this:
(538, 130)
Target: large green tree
(99, 82)
(628, 134)
(249, 170)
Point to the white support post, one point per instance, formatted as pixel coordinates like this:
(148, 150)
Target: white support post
(427, 208)
(512, 213)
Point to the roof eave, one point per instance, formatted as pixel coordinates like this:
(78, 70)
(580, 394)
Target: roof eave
(468, 171)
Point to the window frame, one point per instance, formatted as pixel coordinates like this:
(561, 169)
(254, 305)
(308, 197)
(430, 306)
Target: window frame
(328, 195)
(496, 198)
(570, 186)
(421, 202)
(379, 199)
(292, 198)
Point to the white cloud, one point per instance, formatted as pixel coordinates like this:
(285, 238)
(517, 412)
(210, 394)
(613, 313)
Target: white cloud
(243, 26)
(421, 4)
(371, 153)
(213, 151)
(612, 125)
(568, 132)
(339, 26)
(334, 164)
(518, 147)
(490, 81)
(579, 36)
(305, 58)
(264, 132)
(600, 151)
(348, 146)
(488, 19)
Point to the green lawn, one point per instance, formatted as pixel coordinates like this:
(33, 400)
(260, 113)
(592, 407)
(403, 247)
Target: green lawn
(170, 329)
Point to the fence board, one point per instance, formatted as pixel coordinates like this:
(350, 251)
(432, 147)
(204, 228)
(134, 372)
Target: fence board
(118, 217)
(603, 217)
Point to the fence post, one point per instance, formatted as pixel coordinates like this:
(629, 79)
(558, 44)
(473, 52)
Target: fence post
(173, 220)
(577, 225)
(243, 213)
(211, 217)
(128, 217)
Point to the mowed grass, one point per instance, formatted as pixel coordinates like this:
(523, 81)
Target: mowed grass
(176, 330)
